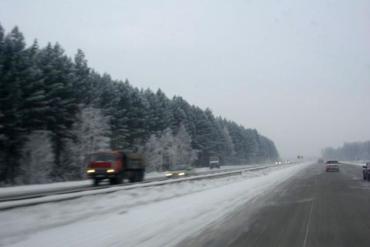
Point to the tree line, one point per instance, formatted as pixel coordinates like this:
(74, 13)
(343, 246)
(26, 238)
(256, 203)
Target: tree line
(349, 151)
(54, 109)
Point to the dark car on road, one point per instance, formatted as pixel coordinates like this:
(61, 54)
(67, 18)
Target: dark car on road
(332, 168)
(366, 171)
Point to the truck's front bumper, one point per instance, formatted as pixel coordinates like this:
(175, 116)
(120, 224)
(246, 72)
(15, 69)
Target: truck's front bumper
(100, 173)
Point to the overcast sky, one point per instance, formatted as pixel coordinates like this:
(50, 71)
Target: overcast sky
(296, 70)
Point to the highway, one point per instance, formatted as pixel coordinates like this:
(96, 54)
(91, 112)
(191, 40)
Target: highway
(314, 208)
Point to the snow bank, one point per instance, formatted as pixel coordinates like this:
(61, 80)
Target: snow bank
(355, 163)
(151, 216)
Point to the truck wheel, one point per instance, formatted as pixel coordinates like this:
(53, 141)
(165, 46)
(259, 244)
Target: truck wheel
(119, 179)
(132, 178)
(140, 176)
(96, 182)
(112, 181)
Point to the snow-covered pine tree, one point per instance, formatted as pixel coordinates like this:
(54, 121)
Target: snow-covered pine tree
(136, 106)
(159, 115)
(11, 118)
(82, 81)
(34, 103)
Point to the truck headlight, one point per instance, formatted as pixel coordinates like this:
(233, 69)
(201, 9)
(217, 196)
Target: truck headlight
(90, 171)
(181, 173)
(168, 174)
(110, 170)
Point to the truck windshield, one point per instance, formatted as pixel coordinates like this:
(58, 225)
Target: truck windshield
(107, 157)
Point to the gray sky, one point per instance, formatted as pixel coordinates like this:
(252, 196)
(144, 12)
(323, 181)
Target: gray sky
(297, 71)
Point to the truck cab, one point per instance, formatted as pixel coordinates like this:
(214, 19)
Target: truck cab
(115, 166)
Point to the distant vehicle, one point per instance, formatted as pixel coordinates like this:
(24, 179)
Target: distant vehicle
(332, 168)
(332, 162)
(366, 171)
(115, 166)
(278, 162)
(179, 171)
(214, 162)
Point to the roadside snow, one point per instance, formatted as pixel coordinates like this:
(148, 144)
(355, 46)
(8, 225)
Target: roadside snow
(355, 163)
(151, 216)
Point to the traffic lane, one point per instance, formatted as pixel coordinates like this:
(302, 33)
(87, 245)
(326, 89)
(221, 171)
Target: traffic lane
(249, 220)
(314, 208)
(342, 215)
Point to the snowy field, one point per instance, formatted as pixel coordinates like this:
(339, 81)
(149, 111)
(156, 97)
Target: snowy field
(151, 216)
(39, 188)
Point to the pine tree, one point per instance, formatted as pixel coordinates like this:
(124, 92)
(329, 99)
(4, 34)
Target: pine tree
(2, 34)
(35, 104)
(137, 117)
(61, 113)
(82, 86)
(10, 104)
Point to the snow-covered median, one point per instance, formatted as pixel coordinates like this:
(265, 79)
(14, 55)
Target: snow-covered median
(151, 216)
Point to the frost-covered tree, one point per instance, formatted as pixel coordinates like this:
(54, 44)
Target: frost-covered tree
(37, 158)
(184, 153)
(169, 149)
(93, 130)
(91, 133)
(228, 144)
(153, 154)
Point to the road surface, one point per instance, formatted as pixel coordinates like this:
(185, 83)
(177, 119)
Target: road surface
(313, 209)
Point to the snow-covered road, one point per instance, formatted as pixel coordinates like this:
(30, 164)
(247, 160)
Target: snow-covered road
(151, 216)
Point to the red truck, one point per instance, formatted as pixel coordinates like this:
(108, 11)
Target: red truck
(115, 166)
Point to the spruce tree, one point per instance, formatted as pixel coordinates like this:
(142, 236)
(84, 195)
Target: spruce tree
(11, 117)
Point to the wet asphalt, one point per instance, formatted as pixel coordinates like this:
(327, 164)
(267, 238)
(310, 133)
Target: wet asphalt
(314, 208)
